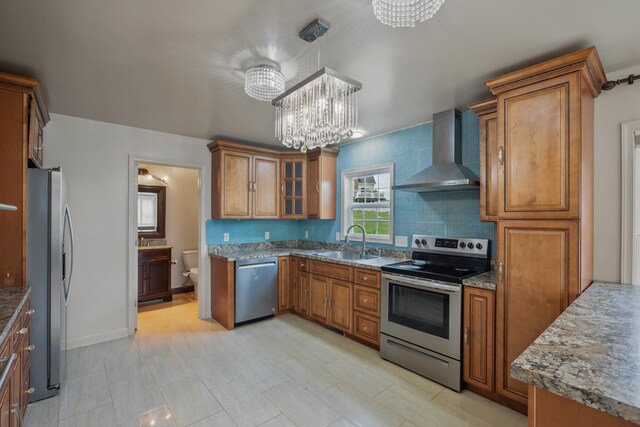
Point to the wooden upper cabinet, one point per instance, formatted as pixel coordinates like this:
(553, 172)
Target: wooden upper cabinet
(260, 183)
(293, 178)
(545, 137)
(266, 171)
(321, 184)
(479, 338)
(539, 261)
(245, 181)
(487, 111)
(21, 100)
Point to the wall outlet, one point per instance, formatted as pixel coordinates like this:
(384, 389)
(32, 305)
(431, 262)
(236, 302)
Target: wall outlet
(226, 237)
(401, 241)
(306, 234)
(337, 236)
(266, 235)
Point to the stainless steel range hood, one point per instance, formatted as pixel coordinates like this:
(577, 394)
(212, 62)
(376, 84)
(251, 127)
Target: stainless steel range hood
(447, 172)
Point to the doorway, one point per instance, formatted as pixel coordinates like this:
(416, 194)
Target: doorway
(167, 248)
(630, 239)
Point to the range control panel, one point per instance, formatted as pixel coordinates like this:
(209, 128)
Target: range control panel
(450, 245)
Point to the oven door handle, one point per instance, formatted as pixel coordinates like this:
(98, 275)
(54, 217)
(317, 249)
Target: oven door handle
(422, 284)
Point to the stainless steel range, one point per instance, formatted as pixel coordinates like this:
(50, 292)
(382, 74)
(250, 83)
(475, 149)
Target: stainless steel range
(421, 313)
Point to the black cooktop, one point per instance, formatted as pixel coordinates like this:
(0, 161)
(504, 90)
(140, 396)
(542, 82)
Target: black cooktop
(445, 268)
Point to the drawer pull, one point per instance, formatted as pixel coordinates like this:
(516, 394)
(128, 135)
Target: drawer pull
(30, 391)
(23, 331)
(31, 347)
(31, 312)
(365, 278)
(365, 328)
(365, 300)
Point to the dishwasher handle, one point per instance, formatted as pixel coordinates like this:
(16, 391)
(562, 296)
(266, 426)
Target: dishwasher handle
(259, 265)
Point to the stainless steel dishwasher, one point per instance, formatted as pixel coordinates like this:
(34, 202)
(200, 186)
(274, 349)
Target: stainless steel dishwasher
(256, 289)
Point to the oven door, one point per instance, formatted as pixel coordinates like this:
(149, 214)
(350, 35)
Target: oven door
(422, 312)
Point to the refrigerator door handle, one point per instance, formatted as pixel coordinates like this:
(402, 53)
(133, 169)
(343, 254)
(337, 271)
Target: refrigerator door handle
(67, 220)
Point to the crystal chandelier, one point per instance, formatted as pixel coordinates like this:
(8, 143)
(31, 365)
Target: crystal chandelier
(405, 13)
(319, 111)
(263, 82)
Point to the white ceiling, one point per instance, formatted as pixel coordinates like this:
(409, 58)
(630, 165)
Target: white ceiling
(176, 65)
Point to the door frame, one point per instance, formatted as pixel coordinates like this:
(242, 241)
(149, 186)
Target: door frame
(204, 297)
(630, 220)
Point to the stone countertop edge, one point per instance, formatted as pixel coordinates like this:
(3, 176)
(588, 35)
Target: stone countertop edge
(374, 263)
(16, 311)
(486, 280)
(589, 353)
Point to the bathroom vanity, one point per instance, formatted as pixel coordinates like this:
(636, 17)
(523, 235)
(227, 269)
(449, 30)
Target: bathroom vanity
(154, 273)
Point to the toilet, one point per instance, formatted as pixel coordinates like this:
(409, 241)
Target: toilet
(190, 260)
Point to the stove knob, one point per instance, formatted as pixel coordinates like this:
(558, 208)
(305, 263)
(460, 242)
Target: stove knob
(478, 246)
(417, 242)
(424, 242)
(470, 245)
(463, 245)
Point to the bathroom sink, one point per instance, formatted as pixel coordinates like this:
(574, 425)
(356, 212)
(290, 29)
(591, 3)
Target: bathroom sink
(346, 255)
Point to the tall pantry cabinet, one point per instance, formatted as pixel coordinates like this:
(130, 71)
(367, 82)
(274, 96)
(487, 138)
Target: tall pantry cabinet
(543, 154)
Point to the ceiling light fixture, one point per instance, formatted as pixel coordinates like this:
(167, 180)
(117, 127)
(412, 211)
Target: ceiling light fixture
(263, 82)
(320, 110)
(405, 13)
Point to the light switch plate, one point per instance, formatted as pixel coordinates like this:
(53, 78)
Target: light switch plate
(306, 234)
(337, 236)
(266, 235)
(226, 237)
(401, 241)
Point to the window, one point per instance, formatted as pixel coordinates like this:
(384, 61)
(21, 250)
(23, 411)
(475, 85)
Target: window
(367, 201)
(151, 211)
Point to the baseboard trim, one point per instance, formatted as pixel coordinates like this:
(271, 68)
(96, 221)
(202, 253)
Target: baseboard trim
(97, 338)
(182, 290)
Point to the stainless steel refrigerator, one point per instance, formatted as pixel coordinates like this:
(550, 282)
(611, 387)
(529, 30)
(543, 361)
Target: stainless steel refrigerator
(49, 272)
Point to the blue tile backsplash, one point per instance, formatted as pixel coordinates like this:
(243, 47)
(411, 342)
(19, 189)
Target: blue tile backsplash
(453, 214)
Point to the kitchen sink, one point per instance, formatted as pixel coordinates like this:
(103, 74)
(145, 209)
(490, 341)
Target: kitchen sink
(346, 255)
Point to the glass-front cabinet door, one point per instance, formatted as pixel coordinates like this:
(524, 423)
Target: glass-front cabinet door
(293, 188)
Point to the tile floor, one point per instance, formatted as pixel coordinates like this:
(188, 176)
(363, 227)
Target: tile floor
(181, 371)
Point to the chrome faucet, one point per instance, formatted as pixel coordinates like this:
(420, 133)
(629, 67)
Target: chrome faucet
(364, 237)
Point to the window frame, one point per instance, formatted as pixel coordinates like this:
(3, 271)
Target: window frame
(347, 176)
(160, 210)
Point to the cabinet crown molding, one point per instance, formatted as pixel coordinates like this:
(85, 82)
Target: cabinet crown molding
(222, 144)
(487, 106)
(29, 86)
(587, 61)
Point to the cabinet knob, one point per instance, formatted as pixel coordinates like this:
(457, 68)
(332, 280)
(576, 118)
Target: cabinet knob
(365, 328)
(466, 335)
(31, 347)
(365, 278)
(23, 331)
(30, 391)
(366, 300)
(31, 312)
(501, 155)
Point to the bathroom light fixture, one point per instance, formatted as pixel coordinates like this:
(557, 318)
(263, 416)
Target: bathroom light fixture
(145, 172)
(405, 13)
(263, 82)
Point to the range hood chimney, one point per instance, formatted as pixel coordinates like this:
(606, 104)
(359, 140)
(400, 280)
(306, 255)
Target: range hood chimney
(447, 172)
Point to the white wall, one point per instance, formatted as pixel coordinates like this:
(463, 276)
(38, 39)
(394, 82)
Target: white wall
(94, 157)
(181, 231)
(612, 108)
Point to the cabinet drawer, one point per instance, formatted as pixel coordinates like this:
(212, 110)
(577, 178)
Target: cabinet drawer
(25, 316)
(366, 327)
(332, 270)
(368, 277)
(367, 300)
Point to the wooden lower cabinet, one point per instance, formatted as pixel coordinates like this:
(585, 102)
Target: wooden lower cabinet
(154, 274)
(539, 261)
(318, 298)
(340, 305)
(5, 408)
(478, 338)
(284, 284)
(326, 293)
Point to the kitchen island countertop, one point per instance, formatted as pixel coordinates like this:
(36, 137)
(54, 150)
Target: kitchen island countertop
(591, 353)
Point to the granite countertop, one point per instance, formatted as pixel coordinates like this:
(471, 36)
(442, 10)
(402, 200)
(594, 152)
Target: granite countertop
(485, 280)
(235, 255)
(11, 302)
(590, 353)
